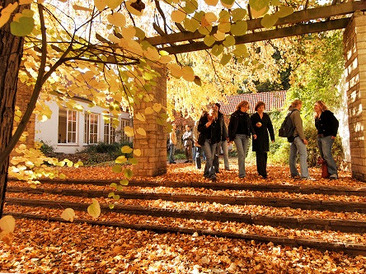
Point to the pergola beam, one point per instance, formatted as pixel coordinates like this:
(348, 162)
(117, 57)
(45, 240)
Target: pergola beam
(296, 17)
(267, 35)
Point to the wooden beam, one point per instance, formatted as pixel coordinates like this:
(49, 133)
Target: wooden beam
(296, 17)
(266, 35)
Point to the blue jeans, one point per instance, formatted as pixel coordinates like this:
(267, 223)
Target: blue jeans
(297, 146)
(242, 144)
(325, 146)
(171, 153)
(209, 150)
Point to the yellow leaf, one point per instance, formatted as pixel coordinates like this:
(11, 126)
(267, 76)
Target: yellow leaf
(157, 107)
(129, 32)
(229, 41)
(113, 3)
(26, 2)
(7, 224)
(258, 13)
(6, 13)
(94, 209)
(149, 110)
(210, 17)
(141, 117)
(117, 19)
(137, 152)
(211, 2)
(175, 70)
(124, 182)
(188, 73)
(239, 28)
(224, 27)
(77, 7)
(126, 149)
(284, 11)
(178, 16)
(117, 168)
(165, 59)
(141, 131)
(209, 40)
(268, 21)
(128, 131)
(238, 14)
(152, 54)
(121, 160)
(68, 214)
(219, 36)
(225, 59)
(100, 4)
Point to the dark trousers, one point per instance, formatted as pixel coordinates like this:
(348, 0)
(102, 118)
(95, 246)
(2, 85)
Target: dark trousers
(262, 163)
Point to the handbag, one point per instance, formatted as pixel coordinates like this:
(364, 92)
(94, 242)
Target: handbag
(324, 167)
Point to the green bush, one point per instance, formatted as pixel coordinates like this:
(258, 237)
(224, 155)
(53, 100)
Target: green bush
(113, 150)
(47, 150)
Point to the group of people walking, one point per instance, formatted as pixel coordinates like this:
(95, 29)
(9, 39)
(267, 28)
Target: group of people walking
(211, 135)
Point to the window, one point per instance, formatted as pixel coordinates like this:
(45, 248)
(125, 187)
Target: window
(91, 128)
(109, 132)
(124, 123)
(67, 124)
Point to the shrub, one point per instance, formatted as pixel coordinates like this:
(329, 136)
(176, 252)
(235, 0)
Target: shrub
(47, 150)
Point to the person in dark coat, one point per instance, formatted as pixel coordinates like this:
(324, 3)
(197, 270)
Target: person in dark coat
(240, 129)
(327, 125)
(210, 135)
(262, 125)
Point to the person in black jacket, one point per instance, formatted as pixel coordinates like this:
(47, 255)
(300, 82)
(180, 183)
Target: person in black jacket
(210, 135)
(327, 125)
(223, 143)
(240, 129)
(262, 125)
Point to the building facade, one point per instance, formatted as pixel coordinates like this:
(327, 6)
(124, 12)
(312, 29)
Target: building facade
(70, 131)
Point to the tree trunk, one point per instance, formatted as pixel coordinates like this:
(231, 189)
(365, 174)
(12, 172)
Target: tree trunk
(11, 51)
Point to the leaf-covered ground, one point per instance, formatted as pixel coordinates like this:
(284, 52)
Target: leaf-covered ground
(53, 247)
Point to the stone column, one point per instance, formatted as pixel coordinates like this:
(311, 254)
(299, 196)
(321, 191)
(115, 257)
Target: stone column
(153, 159)
(355, 55)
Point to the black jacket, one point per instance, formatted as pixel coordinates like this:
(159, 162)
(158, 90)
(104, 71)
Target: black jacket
(261, 144)
(327, 124)
(211, 133)
(240, 123)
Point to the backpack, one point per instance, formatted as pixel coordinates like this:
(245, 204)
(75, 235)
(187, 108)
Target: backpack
(287, 128)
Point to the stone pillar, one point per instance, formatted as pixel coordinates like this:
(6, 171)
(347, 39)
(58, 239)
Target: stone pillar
(355, 55)
(24, 93)
(153, 159)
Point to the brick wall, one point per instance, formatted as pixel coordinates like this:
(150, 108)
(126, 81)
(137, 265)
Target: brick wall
(355, 55)
(153, 160)
(22, 99)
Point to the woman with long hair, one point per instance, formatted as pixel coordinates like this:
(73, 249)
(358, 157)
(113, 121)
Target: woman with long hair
(240, 129)
(262, 124)
(210, 135)
(327, 125)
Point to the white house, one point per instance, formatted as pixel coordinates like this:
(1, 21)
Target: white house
(69, 131)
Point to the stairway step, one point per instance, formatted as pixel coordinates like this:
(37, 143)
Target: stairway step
(352, 249)
(354, 226)
(335, 206)
(286, 187)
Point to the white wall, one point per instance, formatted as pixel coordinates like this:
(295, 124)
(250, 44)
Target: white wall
(47, 131)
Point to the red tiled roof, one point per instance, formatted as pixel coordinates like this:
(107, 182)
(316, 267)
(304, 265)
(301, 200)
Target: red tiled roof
(274, 100)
